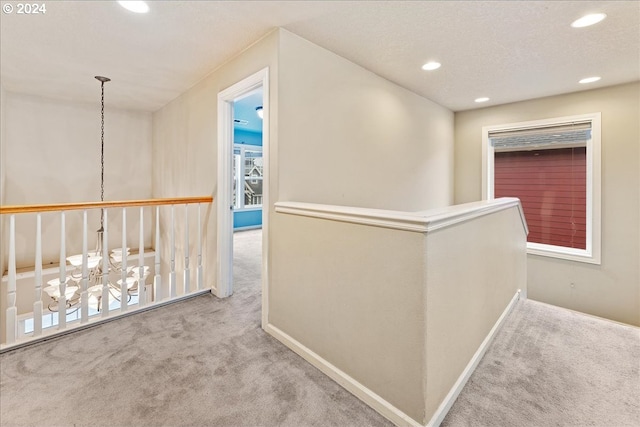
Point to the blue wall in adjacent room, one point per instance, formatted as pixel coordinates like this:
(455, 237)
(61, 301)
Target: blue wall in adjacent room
(247, 219)
(245, 137)
(251, 218)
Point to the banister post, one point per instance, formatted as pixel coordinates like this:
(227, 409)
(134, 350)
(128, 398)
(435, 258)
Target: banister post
(199, 250)
(62, 299)
(84, 294)
(142, 287)
(12, 310)
(37, 304)
(157, 280)
(172, 272)
(187, 271)
(104, 300)
(124, 289)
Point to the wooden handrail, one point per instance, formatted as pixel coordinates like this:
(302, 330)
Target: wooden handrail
(17, 209)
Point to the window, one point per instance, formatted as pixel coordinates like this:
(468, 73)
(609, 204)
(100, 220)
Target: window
(553, 167)
(247, 172)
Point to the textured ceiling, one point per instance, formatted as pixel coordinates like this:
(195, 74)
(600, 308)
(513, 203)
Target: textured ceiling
(506, 50)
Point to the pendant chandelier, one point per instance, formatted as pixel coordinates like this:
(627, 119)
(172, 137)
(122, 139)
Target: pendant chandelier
(94, 265)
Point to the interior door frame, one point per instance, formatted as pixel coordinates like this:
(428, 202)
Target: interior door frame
(224, 270)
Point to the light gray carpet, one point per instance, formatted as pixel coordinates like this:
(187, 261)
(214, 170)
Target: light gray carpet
(553, 367)
(201, 362)
(206, 362)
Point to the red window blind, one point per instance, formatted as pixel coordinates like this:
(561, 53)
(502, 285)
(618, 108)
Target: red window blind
(551, 184)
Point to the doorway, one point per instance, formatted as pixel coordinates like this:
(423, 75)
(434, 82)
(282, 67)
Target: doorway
(248, 163)
(228, 191)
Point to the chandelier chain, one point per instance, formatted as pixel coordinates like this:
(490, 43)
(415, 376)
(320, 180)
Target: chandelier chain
(102, 80)
(102, 146)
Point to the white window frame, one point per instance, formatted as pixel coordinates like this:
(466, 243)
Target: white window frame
(240, 177)
(592, 252)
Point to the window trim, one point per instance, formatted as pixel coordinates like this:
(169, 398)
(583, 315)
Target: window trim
(592, 254)
(240, 176)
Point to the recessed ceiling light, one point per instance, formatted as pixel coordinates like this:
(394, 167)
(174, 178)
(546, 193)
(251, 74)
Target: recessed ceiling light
(587, 20)
(430, 66)
(589, 80)
(483, 99)
(135, 6)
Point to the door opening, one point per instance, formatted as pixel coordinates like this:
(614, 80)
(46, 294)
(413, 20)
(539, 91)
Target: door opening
(243, 177)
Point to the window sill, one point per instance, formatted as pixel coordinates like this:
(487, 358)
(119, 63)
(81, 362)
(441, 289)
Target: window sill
(560, 252)
(248, 209)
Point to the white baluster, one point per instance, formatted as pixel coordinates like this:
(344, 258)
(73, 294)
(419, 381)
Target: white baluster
(104, 301)
(172, 272)
(142, 287)
(199, 250)
(62, 300)
(187, 271)
(84, 294)
(12, 310)
(124, 290)
(37, 304)
(157, 279)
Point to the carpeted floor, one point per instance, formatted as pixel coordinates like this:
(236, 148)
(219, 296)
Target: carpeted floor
(206, 362)
(553, 367)
(201, 362)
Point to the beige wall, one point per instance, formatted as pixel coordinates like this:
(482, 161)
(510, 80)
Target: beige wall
(350, 137)
(3, 241)
(463, 304)
(391, 308)
(185, 146)
(612, 289)
(397, 153)
(52, 155)
(353, 294)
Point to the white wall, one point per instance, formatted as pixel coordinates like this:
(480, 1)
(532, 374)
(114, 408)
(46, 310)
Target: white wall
(52, 155)
(612, 289)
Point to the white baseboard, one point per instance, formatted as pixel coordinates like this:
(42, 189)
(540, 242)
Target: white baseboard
(376, 402)
(451, 397)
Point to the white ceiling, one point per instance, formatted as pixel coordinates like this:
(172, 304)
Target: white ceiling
(506, 50)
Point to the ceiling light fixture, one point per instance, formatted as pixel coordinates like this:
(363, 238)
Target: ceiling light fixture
(260, 111)
(431, 65)
(589, 79)
(587, 20)
(135, 6)
(482, 99)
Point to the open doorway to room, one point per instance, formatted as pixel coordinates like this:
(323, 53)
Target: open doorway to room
(243, 173)
(247, 176)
